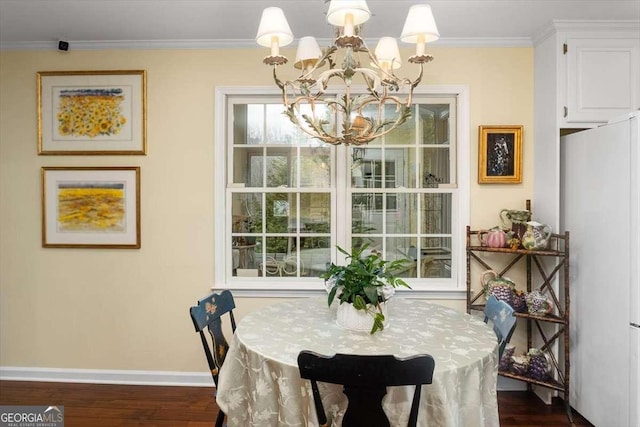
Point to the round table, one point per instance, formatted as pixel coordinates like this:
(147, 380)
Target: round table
(260, 385)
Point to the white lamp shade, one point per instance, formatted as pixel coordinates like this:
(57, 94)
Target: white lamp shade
(308, 50)
(420, 22)
(339, 9)
(273, 24)
(387, 52)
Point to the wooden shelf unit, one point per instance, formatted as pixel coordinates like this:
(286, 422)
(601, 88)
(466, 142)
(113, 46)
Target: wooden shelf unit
(558, 251)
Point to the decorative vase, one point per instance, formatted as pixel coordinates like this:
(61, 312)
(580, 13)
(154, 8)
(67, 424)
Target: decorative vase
(502, 287)
(538, 304)
(359, 320)
(536, 238)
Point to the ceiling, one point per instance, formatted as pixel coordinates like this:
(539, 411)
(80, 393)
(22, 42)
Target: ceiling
(168, 23)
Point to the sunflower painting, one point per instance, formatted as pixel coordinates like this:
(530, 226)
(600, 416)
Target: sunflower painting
(92, 112)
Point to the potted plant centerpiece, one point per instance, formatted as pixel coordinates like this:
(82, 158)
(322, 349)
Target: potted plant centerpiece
(363, 286)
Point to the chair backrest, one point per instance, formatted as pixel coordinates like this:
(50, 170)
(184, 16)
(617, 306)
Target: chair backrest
(365, 380)
(504, 322)
(207, 314)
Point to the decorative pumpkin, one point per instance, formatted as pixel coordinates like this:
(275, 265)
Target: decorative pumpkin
(494, 238)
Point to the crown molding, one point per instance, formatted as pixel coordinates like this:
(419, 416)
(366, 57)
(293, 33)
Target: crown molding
(233, 44)
(625, 28)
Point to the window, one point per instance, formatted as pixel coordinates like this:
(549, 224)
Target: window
(284, 200)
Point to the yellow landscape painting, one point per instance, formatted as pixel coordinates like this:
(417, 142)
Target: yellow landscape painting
(91, 207)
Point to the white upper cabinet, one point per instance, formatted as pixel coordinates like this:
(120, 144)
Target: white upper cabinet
(586, 73)
(601, 78)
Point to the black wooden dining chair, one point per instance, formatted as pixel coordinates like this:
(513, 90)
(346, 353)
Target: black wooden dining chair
(504, 322)
(208, 314)
(365, 380)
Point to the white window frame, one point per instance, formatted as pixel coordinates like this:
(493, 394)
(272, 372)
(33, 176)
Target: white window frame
(448, 288)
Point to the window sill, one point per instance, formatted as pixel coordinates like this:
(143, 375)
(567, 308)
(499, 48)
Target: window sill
(433, 294)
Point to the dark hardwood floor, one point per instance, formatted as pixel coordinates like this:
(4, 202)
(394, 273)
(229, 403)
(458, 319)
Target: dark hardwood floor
(97, 405)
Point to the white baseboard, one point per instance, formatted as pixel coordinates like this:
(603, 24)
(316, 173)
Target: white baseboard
(160, 378)
(102, 376)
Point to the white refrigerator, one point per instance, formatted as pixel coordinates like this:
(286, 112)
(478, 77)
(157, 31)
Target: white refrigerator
(600, 208)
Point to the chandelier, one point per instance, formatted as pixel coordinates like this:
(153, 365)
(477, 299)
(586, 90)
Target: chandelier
(311, 100)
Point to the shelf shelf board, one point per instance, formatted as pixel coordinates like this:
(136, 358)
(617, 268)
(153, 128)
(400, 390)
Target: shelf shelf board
(550, 383)
(548, 318)
(516, 251)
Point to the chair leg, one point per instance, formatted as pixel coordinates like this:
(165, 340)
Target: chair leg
(220, 419)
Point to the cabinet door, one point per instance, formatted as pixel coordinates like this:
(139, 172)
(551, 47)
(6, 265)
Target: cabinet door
(602, 79)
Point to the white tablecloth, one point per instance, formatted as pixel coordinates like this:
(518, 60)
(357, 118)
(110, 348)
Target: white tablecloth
(260, 385)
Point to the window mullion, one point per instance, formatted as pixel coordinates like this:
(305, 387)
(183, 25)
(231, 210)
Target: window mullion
(342, 203)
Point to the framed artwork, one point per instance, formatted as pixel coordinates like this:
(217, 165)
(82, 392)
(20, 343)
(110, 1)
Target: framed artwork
(92, 112)
(500, 154)
(91, 207)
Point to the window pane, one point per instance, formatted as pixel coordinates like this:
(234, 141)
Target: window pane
(315, 260)
(436, 257)
(405, 167)
(278, 210)
(248, 124)
(279, 130)
(246, 223)
(366, 168)
(402, 248)
(276, 247)
(315, 213)
(434, 123)
(248, 166)
(274, 255)
(403, 134)
(402, 215)
(436, 166)
(366, 213)
(436, 213)
(246, 213)
(315, 167)
(279, 164)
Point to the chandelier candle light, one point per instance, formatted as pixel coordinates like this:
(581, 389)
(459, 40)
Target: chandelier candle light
(308, 99)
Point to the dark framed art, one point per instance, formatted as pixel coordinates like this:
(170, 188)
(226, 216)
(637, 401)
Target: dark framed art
(500, 154)
(92, 112)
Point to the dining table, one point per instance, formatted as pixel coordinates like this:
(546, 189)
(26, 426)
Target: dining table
(260, 385)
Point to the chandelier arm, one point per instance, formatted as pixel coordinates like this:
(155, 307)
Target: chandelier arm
(415, 83)
(279, 82)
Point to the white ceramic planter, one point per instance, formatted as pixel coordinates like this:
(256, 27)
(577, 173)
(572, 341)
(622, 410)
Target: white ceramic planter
(358, 320)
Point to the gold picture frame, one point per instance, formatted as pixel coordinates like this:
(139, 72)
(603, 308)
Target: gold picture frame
(500, 154)
(91, 207)
(92, 112)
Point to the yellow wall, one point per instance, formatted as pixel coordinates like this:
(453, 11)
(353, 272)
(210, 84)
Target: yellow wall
(128, 309)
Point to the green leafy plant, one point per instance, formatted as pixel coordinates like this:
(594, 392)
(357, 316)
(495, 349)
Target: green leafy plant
(366, 281)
